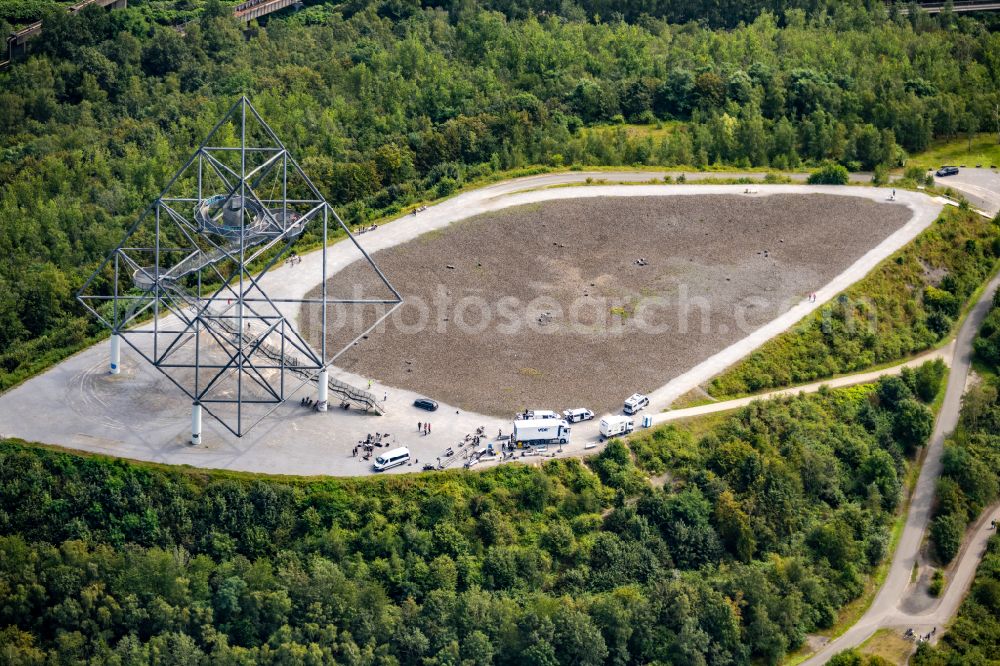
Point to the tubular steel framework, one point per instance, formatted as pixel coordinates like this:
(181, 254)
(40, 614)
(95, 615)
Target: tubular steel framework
(184, 287)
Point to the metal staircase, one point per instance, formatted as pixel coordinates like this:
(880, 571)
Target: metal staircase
(254, 342)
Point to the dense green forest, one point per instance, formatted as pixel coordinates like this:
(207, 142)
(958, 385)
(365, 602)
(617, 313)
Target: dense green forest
(909, 303)
(973, 638)
(714, 13)
(970, 478)
(391, 103)
(768, 523)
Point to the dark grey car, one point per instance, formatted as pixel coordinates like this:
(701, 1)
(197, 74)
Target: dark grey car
(425, 403)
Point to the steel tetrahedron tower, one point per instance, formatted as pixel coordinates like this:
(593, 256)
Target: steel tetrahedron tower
(187, 287)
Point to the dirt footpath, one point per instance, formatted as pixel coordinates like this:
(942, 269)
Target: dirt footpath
(581, 302)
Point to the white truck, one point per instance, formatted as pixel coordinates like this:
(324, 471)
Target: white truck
(538, 432)
(613, 426)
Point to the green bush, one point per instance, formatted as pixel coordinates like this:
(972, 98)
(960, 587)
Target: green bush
(936, 584)
(946, 535)
(880, 175)
(926, 380)
(830, 174)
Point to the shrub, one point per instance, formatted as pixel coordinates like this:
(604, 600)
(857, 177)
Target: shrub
(925, 381)
(917, 174)
(912, 425)
(937, 583)
(881, 175)
(941, 300)
(946, 534)
(830, 174)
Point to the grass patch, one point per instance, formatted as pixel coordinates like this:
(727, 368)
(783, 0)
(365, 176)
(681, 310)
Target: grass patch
(888, 644)
(693, 398)
(985, 150)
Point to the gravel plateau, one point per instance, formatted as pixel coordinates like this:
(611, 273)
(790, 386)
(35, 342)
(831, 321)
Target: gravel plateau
(573, 302)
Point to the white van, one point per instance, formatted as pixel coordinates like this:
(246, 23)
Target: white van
(538, 414)
(613, 426)
(577, 415)
(635, 402)
(393, 458)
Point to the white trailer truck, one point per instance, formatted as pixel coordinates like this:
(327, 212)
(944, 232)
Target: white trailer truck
(538, 432)
(613, 426)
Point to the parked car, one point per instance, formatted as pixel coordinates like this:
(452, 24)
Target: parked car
(577, 415)
(946, 171)
(391, 459)
(425, 403)
(537, 414)
(635, 402)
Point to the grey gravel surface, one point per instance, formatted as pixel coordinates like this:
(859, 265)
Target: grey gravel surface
(590, 299)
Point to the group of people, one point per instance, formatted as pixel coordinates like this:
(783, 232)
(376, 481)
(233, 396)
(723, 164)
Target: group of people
(923, 637)
(292, 260)
(368, 444)
(812, 298)
(424, 428)
(362, 230)
(419, 209)
(476, 437)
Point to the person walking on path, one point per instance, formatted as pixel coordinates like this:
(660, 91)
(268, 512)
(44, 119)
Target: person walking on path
(419, 426)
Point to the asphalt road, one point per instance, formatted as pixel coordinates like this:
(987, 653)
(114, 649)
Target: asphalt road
(980, 186)
(885, 609)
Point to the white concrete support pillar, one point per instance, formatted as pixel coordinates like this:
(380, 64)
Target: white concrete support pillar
(195, 423)
(324, 387)
(116, 354)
